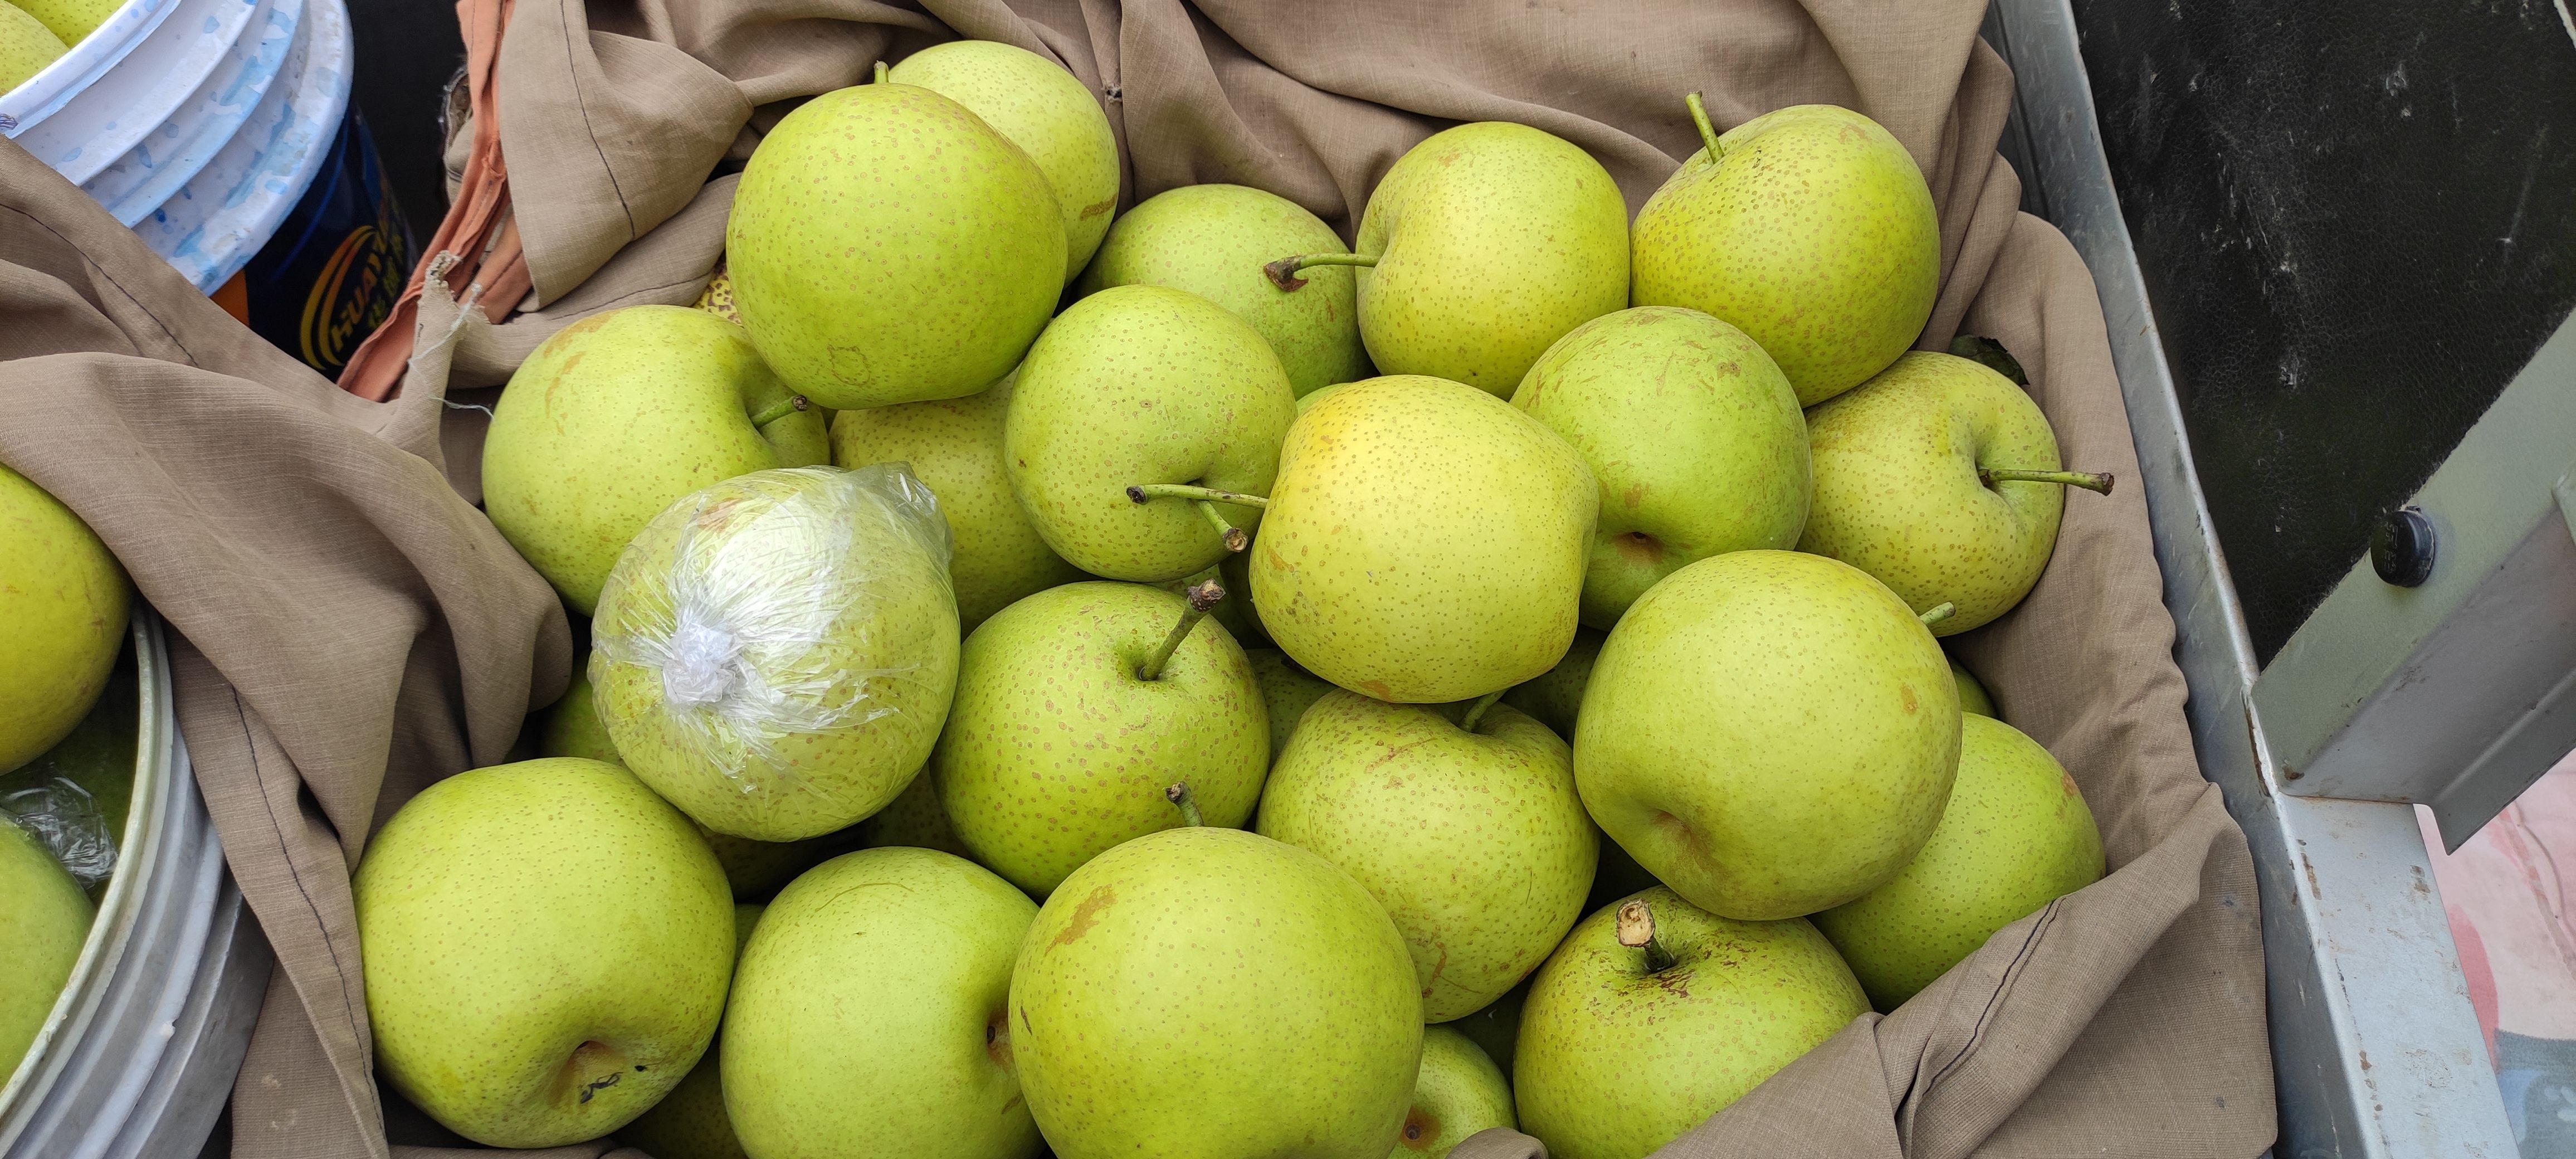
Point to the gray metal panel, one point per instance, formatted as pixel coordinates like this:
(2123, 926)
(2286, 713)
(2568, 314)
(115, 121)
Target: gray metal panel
(2454, 693)
(2376, 1049)
(150, 1036)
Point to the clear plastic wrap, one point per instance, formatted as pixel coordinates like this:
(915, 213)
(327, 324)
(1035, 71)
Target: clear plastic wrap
(775, 654)
(68, 822)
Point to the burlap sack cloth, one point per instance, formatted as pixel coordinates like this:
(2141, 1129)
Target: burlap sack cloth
(351, 629)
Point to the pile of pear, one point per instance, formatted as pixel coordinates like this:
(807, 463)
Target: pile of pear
(1487, 674)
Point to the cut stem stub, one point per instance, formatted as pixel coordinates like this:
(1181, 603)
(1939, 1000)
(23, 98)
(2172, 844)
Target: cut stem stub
(1201, 597)
(779, 410)
(1637, 932)
(2089, 481)
(1937, 613)
(1179, 796)
(882, 70)
(1283, 273)
(1707, 131)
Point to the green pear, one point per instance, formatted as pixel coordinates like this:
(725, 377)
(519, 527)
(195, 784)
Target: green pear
(869, 1017)
(2016, 836)
(71, 20)
(1482, 246)
(95, 762)
(1655, 1014)
(1694, 437)
(954, 446)
(775, 654)
(1940, 478)
(1810, 228)
(1076, 707)
(66, 602)
(1555, 696)
(44, 919)
(1973, 697)
(1494, 1028)
(1769, 733)
(1424, 542)
(1046, 111)
(751, 868)
(617, 415)
(1205, 991)
(1212, 241)
(690, 1122)
(1469, 834)
(1140, 386)
(914, 819)
(547, 946)
(1287, 691)
(886, 245)
(1459, 1092)
(26, 47)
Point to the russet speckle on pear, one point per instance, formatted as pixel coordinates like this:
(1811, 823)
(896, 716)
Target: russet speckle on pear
(1770, 733)
(1813, 232)
(886, 245)
(954, 446)
(1206, 991)
(1057, 749)
(1048, 112)
(1213, 240)
(1286, 690)
(547, 949)
(1475, 842)
(1425, 542)
(1143, 385)
(1692, 433)
(1623, 1048)
(617, 415)
(1898, 495)
(1492, 240)
(2015, 836)
(1460, 1092)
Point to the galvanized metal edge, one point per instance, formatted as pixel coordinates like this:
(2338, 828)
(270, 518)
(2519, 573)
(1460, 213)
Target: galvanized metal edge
(2375, 1048)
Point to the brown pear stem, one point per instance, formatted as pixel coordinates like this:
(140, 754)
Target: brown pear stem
(2086, 479)
(1939, 612)
(1202, 597)
(1707, 131)
(1637, 932)
(1179, 796)
(1476, 711)
(882, 70)
(779, 410)
(1140, 492)
(1283, 273)
(1233, 536)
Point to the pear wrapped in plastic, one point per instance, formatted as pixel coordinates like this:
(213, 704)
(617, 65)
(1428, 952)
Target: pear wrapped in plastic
(775, 654)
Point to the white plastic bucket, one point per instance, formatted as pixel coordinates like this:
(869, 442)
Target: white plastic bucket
(198, 123)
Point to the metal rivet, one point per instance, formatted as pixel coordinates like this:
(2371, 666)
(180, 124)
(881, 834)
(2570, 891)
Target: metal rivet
(2401, 547)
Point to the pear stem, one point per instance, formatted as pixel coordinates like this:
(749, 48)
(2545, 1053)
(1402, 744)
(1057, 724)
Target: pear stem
(1283, 273)
(1235, 539)
(1202, 597)
(1476, 711)
(1637, 932)
(1939, 612)
(2085, 479)
(882, 70)
(1179, 796)
(1707, 131)
(1140, 492)
(779, 410)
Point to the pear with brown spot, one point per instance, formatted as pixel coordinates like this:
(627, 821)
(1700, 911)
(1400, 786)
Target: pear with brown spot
(2016, 836)
(1459, 1093)
(1204, 991)
(1464, 824)
(869, 1014)
(1769, 733)
(1655, 1015)
(1693, 435)
(1424, 543)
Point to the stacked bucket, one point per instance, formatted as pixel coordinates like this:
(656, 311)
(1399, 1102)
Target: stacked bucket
(198, 123)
